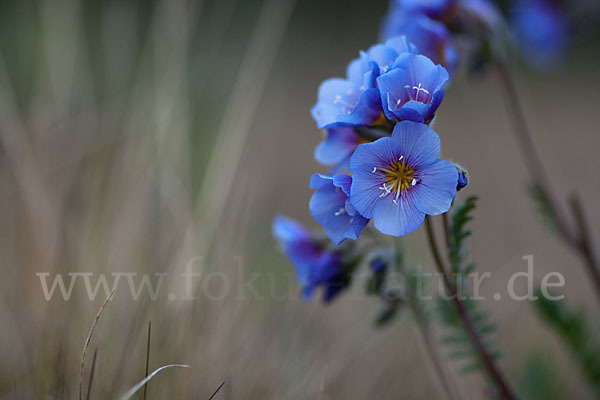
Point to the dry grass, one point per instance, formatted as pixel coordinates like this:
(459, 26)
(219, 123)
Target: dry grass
(135, 137)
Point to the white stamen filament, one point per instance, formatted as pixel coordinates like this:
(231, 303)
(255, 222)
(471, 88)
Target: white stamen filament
(395, 186)
(419, 88)
(346, 107)
(386, 190)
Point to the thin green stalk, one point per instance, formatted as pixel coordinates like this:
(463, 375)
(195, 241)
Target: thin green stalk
(147, 358)
(89, 391)
(494, 373)
(371, 134)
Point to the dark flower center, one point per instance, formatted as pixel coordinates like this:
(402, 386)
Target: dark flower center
(415, 92)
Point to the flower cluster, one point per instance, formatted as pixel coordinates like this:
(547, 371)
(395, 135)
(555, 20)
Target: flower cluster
(383, 153)
(538, 28)
(391, 93)
(385, 157)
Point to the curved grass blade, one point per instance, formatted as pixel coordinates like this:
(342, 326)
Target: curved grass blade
(141, 384)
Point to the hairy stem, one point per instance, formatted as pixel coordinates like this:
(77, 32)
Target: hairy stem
(573, 232)
(495, 374)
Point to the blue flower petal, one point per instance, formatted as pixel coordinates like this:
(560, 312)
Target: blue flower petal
(344, 182)
(436, 188)
(431, 8)
(318, 181)
(412, 89)
(359, 71)
(397, 219)
(329, 106)
(365, 191)
(383, 55)
(328, 207)
(541, 31)
(286, 230)
(431, 37)
(400, 45)
(337, 146)
(417, 142)
(436, 100)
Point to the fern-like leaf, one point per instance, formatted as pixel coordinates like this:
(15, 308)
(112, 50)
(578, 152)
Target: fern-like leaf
(573, 329)
(458, 234)
(457, 341)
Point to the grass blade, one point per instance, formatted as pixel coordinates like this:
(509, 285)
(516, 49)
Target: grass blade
(89, 338)
(89, 392)
(147, 358)
(216, 391)
(143, 382)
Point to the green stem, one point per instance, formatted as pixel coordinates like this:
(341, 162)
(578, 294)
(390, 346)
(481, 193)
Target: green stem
(494, 373)
(371, 134)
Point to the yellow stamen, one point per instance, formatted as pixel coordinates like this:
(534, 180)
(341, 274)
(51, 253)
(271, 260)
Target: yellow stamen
(399, 176)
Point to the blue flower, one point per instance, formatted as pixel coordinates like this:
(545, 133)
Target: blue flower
(331, 207)
(412, 89)
(431, 38)
(437, 9)
(355, 101)
(315, 264)
(351, 101)
(398, 180)
(540, 30)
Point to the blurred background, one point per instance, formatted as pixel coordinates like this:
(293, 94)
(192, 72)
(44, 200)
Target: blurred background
(140, 136)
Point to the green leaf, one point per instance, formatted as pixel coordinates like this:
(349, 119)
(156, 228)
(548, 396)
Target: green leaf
(457, 341)
(458, 233)
(573, 330)
(540, 380)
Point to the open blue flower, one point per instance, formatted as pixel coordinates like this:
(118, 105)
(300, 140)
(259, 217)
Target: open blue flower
(431, 37)
(315, 264)
(540, 30)
(331, 207)
(351, 101)
(412, 89)
(398, 180)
